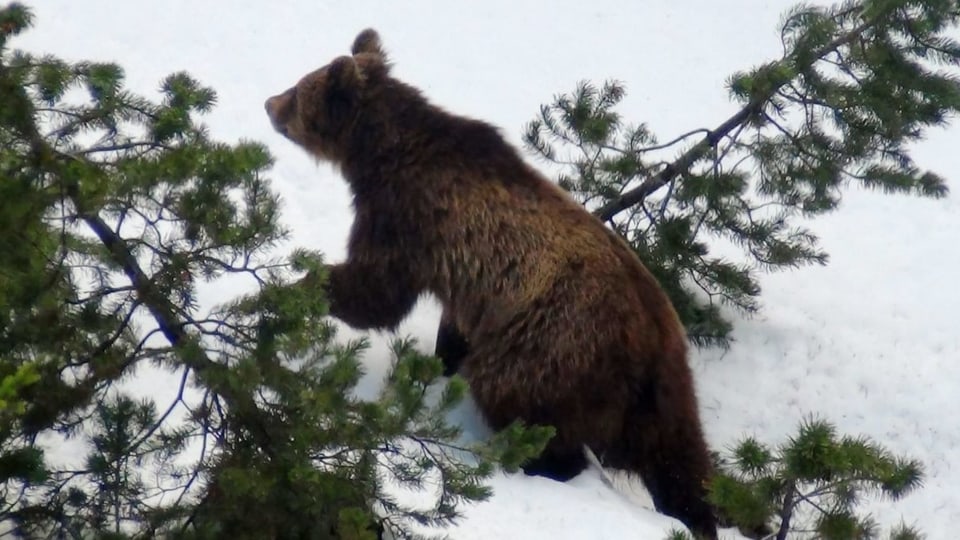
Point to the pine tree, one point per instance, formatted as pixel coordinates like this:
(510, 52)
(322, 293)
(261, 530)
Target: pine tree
(114, 209)
(809, 487)
(857, 84)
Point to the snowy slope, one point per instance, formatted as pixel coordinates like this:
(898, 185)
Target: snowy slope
(869, 342)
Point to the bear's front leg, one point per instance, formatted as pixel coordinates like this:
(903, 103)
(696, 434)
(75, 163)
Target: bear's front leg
(369, 296)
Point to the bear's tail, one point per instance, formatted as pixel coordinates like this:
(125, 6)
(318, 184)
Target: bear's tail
(662, 441)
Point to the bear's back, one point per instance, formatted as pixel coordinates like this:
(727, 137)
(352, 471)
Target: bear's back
(509, 240)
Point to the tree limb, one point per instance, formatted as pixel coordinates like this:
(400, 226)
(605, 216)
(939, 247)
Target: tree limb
(682, 164)
(786, 511)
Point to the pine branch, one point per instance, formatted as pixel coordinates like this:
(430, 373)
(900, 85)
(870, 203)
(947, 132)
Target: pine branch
(702, 149)
(170, 325)
(156, 303)
(160, 307)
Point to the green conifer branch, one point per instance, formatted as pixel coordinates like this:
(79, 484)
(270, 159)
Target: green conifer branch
(754, 108)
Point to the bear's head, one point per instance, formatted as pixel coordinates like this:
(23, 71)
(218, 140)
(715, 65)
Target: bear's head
(321, 111)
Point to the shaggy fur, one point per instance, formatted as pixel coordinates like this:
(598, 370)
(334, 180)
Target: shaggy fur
(561, 324)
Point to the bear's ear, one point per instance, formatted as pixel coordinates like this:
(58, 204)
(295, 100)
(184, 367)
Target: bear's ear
(341, 91)
(368, 42)
(343, 74)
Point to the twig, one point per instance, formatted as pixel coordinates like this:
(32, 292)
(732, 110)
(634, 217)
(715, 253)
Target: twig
(675, 140)
(163, 418)
(120, 147)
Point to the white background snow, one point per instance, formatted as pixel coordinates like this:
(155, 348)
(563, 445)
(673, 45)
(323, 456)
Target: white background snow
(870, 342)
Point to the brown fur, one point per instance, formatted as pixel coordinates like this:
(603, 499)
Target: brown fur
(565, 326)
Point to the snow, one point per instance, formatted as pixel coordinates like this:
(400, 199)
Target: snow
(869, 342)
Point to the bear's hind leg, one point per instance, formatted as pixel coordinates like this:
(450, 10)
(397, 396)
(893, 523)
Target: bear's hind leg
(676, 482)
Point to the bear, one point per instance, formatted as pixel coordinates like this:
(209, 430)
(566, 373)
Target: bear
(548, 314)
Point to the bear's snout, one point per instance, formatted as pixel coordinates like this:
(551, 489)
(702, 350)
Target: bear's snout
(279, 109)
(272, 106)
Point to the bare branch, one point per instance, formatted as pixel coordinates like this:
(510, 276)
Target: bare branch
(163, 418)
(149, 145)
(675, 140)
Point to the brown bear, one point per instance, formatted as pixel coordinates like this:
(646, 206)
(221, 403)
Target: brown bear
(561, 323)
